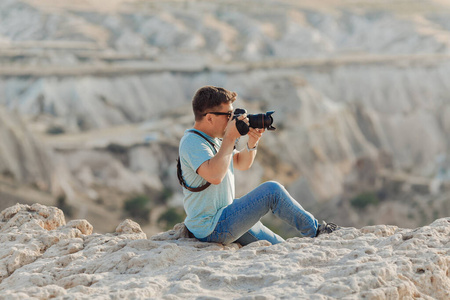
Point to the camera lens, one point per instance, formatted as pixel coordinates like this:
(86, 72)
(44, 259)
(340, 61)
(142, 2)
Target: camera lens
(261, 120)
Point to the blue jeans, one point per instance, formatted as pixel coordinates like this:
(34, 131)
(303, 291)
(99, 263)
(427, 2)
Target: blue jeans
(240, 223)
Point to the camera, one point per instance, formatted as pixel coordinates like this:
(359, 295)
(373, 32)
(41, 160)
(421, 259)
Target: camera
(255, 121)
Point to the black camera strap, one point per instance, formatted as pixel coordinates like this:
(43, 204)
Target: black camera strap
(180, 172)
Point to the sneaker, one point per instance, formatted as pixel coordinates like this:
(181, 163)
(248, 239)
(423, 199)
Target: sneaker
(326, 228)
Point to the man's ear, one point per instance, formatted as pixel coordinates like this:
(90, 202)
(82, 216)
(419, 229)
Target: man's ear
(209, 118)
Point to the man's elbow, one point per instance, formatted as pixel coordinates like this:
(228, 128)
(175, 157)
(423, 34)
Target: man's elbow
(215, 181)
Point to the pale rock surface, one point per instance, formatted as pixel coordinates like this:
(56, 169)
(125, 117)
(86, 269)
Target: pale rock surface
(42, 257)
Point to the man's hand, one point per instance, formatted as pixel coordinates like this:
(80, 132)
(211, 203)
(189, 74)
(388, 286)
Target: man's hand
(231, 132)
(253, 136)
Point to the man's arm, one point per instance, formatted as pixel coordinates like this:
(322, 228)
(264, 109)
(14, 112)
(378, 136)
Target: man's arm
(243, 160)
(215, 169)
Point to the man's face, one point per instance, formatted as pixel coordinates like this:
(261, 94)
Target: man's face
(220, 121)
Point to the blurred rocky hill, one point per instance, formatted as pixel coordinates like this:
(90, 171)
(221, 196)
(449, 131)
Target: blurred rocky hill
(95, 96)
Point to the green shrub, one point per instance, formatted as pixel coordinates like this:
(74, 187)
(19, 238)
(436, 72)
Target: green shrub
(364, 199)
(171, 217)
(138, 207)
(167, 193)
(164, 196)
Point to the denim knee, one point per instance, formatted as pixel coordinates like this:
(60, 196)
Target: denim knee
(273, 186)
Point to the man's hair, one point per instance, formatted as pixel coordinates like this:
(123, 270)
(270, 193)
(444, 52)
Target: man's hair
(209, 97)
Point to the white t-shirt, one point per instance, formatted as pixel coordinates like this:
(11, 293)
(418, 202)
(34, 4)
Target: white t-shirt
(203, 209)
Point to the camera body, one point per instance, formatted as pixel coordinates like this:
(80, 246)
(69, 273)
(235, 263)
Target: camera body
(255, 121)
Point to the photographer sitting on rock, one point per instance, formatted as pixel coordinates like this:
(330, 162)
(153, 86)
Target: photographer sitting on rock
(206, 172)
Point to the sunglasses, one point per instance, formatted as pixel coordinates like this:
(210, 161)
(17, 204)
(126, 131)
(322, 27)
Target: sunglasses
(219, 113)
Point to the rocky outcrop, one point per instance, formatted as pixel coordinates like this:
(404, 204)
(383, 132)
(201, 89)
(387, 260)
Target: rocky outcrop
(42, 257)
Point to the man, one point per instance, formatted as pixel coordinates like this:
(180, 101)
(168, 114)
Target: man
(206, 171)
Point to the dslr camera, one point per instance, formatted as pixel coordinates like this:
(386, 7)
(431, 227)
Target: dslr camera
(255, 121)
